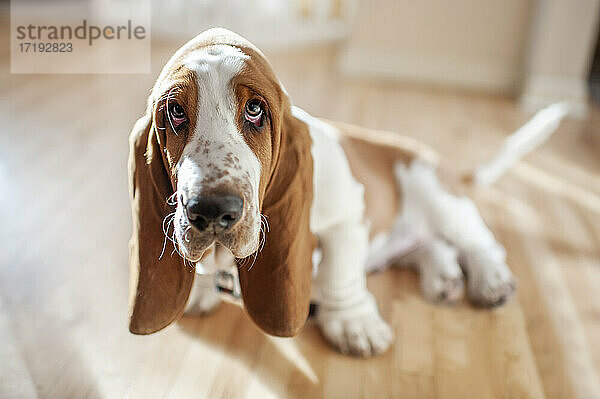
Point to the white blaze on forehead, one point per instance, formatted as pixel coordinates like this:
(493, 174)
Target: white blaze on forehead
(219, 59)
(216, 145)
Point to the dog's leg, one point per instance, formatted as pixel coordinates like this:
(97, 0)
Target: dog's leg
(348, 314)
(490, 281)
(440, 274)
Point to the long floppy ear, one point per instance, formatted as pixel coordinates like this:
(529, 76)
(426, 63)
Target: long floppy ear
(159, 283)
(276, 287)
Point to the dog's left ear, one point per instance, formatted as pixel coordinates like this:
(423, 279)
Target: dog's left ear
(276, 287)
(159, 281)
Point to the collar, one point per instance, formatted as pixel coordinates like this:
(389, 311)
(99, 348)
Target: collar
(226, 281)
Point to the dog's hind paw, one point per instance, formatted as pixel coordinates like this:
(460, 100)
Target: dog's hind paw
(490, 282)
(442, 284)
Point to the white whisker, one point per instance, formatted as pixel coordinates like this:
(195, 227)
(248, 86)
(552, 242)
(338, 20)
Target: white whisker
(264, 217)
(165, 228)
(185, 234)
(172, 199)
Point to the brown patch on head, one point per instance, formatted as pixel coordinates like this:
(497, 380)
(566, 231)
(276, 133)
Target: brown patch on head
(258, 81)
(179, 86)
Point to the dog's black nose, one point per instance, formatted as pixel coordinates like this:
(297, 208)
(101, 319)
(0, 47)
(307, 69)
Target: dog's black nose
(222, 212)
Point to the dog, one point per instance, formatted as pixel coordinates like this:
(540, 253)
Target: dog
(293, 208)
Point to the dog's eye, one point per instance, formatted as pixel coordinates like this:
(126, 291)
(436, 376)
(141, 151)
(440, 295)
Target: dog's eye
(177, 114)
(254, 112)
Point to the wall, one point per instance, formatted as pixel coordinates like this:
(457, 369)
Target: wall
(468, 43)
(560, 53)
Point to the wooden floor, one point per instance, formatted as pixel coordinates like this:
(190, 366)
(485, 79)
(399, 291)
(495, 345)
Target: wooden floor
(64, 275)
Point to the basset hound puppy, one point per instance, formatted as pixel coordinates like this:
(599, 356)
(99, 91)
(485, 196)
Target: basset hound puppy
(236, 178)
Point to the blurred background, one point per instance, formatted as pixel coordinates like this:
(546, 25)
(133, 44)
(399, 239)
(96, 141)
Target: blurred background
(457, 75)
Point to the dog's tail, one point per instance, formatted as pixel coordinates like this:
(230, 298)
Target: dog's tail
(526, 139)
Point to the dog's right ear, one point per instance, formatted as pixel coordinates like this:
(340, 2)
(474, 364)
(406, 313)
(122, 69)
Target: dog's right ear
(159, 282)
(276, 289)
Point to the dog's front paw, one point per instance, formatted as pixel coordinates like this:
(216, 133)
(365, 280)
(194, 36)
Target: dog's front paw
(490, 282)
(359, 331)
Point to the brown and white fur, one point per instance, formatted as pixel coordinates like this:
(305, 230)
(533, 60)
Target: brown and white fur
(376, 199)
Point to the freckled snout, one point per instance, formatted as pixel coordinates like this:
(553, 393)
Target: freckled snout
(220, 213)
